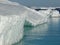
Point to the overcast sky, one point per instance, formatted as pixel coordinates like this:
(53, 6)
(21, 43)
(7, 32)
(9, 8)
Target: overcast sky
(40, 3)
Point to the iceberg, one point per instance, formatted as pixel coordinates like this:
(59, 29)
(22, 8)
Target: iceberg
(37, 32)
(35, 18)
(55, 13)
(8, 2)
(12, 18)
(46, 14)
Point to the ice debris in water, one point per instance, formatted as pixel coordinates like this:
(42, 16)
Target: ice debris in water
(11, 23)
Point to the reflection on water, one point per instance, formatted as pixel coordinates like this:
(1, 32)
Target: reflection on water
(54, 24)
(36, 32)
(45, 34)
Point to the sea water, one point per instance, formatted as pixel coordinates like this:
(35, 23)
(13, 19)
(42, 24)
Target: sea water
(45, 34)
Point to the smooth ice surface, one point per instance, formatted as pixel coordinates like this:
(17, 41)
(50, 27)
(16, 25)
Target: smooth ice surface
(12, 19)
(34, 18)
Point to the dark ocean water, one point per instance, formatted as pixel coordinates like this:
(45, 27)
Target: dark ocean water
(45, 34)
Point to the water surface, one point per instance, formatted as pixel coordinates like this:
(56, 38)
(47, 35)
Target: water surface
(45, 34)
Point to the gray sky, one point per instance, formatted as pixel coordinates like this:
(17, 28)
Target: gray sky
(40, 3)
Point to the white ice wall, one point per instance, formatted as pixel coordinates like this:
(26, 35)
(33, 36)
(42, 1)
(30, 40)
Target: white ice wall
(3, 0)
(34, 17)
(12, 19)
(55, 13)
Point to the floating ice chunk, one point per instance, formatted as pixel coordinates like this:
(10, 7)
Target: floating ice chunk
(55, 13)
(11, 23)
(34, 18)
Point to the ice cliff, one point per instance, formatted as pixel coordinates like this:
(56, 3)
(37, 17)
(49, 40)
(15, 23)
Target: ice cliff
(12, 18)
